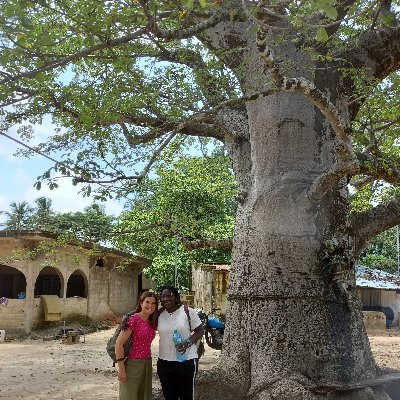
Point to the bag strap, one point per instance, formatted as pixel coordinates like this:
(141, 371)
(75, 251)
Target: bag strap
(186, 308)
(132, 334)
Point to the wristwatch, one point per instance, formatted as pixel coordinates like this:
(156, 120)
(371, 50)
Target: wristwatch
(188, 343)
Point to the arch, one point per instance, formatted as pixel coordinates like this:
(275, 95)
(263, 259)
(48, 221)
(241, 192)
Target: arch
(12, 282)
(49, 281)
(77, 284)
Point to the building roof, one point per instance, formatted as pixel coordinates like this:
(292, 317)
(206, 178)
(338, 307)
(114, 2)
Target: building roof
(376, 279)
(41, 235)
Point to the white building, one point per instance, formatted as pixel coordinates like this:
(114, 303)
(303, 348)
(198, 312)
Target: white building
(379, 291)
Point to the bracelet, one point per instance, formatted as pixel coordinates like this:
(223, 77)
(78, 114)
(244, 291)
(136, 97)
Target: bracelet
(120, 359)
(188, 343)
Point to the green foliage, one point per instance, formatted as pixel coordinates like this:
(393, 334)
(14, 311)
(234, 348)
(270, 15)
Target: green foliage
(92, 225)
(19, 216)
(381, 252)
(189, 198)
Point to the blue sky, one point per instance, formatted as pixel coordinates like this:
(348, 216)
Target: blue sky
(18, 174)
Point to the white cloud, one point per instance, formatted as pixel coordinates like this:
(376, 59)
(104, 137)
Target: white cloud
(18, 174)
(66, 198)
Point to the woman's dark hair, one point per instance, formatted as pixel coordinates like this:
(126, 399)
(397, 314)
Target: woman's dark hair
(174, 291)
(153, 318)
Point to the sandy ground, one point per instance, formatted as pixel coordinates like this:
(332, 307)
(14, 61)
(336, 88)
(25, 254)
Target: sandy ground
(49, 370)
(39, 370)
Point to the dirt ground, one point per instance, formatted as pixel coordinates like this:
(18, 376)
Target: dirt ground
(49, 370)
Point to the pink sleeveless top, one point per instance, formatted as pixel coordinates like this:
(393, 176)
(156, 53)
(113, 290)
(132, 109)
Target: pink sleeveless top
(143, 335)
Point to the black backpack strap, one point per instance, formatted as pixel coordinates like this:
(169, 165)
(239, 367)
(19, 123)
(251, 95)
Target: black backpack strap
(186, 309)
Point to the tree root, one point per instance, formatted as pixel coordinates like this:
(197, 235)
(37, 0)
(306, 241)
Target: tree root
(217, 384)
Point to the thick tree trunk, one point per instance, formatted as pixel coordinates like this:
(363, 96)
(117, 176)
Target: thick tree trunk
(294, 324)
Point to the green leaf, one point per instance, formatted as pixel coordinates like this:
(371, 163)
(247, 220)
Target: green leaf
(233, 14)
(330, 11)
(26, 23)
(153, 6)
(189, 4)
(322, 35)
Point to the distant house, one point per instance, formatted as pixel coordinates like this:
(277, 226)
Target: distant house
(379, 291)
(65, 282)
(210, 287)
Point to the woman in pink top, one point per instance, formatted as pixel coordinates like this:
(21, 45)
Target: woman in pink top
(135, 375)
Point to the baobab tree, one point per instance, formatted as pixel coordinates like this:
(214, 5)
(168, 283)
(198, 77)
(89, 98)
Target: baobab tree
(304, 95)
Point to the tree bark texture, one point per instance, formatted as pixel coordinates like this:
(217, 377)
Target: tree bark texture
(294, 320)
(294, 323)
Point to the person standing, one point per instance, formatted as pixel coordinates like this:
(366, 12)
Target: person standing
(177, 377)
(135, 374)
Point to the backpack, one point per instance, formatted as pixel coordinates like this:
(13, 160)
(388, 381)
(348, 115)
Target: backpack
(113, 339)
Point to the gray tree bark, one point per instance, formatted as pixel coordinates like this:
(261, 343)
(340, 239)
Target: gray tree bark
(294, 323)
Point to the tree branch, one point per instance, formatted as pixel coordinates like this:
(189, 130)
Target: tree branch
(178, 34)
(342, 10)
(379, 167)
(140, 229)
(209, 84)
(221, 244)
(189, 245)
(327, 181)
(136, 178)
(362, 182)
(376, 51)
(370, 223)
(76, 56)
(196, 125)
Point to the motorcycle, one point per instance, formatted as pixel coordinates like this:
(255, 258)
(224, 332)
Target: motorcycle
(213, 328)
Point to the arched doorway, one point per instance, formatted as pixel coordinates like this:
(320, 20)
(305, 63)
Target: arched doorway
(77, 284)
(49, 281)
(12, 282)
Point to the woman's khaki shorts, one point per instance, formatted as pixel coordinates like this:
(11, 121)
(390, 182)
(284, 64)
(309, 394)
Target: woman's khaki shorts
(138, 380)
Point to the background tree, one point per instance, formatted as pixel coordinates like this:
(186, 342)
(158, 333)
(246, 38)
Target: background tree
(42, 213)
(304, 95)
(19, 217)
(381, 252)
(92, 225)
(192, 199)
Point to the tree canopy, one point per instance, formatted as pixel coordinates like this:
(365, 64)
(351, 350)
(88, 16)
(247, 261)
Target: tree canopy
(19, 216)
(191, 199)
(124, 81)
